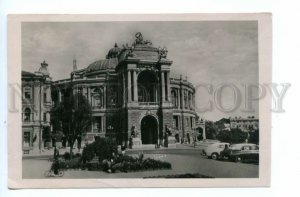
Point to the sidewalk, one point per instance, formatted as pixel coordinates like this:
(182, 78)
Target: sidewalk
(177, 149)
(45, 153)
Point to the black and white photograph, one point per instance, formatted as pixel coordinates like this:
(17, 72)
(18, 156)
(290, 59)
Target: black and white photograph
(149, 100)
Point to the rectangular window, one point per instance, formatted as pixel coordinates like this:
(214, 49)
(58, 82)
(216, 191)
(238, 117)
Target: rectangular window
(45, 117)
(97, 124)
(176, 122)
(28, 93)
(45, 97)
(187, 121)
(26, 139)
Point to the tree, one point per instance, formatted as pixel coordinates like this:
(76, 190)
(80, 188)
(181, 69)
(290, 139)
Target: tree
(46, 135)
(210, 130)
(225, 136)
(254, 137)
(73, 116)
(233, 136)
(238, 136)
(220, 124)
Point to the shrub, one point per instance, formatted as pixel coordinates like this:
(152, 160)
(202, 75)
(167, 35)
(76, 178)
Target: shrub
(233, 136)
(77, 155)
(74, 163)
(155, 164)
(56, 165)
(88, 153)
(104, 148)
(67, 156)
(128, 163)
(101, 147)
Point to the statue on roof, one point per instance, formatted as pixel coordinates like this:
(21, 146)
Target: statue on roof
(140, 40)
(163, 52)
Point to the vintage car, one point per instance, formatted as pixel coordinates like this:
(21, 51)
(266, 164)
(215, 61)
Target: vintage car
(244, 152)
(213, 150)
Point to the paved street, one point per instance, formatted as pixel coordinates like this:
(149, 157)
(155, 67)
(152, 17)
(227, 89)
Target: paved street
(181, 164)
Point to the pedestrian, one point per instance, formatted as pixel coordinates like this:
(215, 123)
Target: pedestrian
(188, 138)
(130, 142)
(79, 142)
(64, 141)
(177, 137)
(123, 149)
(53, 141)
(225, 153)
(56, 153)
(166, 142)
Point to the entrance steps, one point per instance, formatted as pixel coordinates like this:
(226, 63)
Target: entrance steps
(151, 146)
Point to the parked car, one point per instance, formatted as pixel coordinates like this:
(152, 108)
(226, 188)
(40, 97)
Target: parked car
(213, 150)
(209, 141)
(244, 152)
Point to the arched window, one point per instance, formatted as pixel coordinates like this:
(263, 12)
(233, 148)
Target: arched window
(174, 98)
(185, 100)
(97, 98)
(190, 100)
(147, 87)
(112, 96)
(27, 114)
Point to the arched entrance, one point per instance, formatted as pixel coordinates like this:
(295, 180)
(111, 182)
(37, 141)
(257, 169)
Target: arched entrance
(149, 130)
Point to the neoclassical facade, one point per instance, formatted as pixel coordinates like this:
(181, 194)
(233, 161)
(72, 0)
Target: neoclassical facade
(36, 106)
(249, 124)
(132, 89)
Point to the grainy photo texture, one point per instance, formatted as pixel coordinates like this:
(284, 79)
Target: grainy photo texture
(151, 99)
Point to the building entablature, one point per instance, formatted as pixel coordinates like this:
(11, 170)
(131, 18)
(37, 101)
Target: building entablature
(175, 82)
(184, 111)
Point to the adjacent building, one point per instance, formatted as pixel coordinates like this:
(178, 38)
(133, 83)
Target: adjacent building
(36, 106)
(248, 124)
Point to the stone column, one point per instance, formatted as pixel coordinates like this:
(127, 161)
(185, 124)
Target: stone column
(168, 86)
(204, 132)
(59, 96)
(163, 92)
(84, 92)
(124, 88)
(104, 97)
(104, 124)
(194, 103)
(89, 95)
(129, 85)
(190, 99)
(182, 97)
(178, 98)
(135, 96)
(36, 101)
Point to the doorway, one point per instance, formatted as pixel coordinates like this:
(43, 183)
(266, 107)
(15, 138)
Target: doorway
(149, 130)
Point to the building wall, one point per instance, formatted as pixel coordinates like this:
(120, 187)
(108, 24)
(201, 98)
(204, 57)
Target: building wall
(245, 124)
(39, 106)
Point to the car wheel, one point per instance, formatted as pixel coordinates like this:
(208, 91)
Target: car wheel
(61, 173)
(238, 159)
(214, 156)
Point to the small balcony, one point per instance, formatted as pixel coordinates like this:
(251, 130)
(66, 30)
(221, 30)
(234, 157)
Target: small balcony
(148, 103)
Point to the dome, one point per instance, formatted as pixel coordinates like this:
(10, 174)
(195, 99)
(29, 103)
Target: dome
(113, 52)
(102, 65)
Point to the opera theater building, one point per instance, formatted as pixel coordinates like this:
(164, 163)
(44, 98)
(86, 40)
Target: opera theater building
(132, 93)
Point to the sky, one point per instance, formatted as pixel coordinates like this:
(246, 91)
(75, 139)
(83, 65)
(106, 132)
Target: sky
(207, 52)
